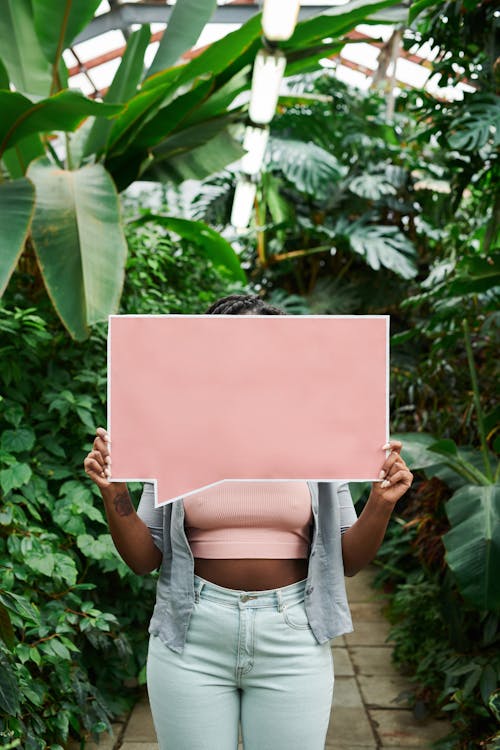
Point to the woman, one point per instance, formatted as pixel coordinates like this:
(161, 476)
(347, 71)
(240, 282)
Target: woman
(250, 593)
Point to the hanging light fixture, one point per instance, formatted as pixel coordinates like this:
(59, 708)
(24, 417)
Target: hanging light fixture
(279, 18)
(243, 202)
(268, 72)
(254, 143)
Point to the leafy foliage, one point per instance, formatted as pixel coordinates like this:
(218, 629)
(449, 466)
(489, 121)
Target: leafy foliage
(171, 124)
(449, 647)
(73, 617)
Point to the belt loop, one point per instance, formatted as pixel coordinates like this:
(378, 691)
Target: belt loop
(279, 597)
(198, 590)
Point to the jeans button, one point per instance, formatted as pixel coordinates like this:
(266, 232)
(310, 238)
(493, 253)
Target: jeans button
(309, 590)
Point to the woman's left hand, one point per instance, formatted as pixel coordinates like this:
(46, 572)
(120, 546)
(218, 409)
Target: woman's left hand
(395, 475)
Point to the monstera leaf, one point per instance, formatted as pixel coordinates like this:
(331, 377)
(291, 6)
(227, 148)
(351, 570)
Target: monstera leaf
(310, 168)
(381, 245)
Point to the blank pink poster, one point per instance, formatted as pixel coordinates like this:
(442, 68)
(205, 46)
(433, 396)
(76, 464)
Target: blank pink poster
(197, 399)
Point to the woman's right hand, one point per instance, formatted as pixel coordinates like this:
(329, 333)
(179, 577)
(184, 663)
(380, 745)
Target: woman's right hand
(98, 462)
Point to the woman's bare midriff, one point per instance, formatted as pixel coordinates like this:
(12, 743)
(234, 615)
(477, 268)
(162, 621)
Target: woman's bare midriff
(251, 574)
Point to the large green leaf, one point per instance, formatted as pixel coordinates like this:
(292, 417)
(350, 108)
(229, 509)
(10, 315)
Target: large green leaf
(381, 245)
(224, 59)
(18, 158)
(416, 449)
(475, 274)
(79, 241)
(17, 201)
(122, 88)
(371, 186)
(477, 123)
(57, 24)
(4, 76)
(418, 6)
(207, 239)
(225, 56)
(20, 49)
(183, 29)
(310, 168)
(306, 60)
(64, 111)
(222, 98)
(9, 689)
(195, 153)
(140, 109)
(169, 118)
(473, 544)
(335, 23)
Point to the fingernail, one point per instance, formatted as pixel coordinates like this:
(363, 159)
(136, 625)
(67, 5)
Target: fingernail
(108, 459)
(386, 447)
(382, 474)
(107, 472)
(385, 483)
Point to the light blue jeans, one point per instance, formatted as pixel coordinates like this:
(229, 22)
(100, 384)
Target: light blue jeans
(250, 660)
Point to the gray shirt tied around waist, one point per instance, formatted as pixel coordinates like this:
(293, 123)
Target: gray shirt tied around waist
(325, 595)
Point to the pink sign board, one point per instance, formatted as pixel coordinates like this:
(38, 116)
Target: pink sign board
(197, 399)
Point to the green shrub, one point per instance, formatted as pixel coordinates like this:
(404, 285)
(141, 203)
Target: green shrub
(450, 648)
(73, 617)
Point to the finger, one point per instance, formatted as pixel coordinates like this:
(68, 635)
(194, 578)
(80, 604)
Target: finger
(102, 433)
(403, 476)
(393, 445)
(97, 456)
(387, 465)
(93, 468)
(102, 446)
(398, 465)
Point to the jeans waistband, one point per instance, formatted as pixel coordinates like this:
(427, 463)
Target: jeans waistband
(286, 595)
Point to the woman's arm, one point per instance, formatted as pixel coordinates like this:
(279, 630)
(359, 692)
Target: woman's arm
(130, 534)
(360, 543)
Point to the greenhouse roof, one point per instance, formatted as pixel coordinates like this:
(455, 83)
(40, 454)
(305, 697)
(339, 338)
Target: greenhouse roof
(95, 55)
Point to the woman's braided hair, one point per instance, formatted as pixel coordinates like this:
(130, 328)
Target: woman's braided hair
(239, 304)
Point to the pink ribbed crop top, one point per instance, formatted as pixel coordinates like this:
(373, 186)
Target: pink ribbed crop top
(238, 519)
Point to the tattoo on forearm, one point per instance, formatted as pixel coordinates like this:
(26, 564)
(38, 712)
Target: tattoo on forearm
(123, 504)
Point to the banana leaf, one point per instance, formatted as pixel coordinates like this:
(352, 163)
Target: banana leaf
(79, 242)
(473, 544)
(17, 201)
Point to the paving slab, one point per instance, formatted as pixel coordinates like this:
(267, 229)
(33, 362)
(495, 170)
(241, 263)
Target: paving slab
(372, 660)
(346, 693)
(349, 727)
(139, 746)
(371, 633)
(366, 612)
(140, 727)
(342, 665)
(385, 691)
(359, 587)
(399, 728)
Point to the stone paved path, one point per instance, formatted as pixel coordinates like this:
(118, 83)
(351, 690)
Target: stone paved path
(369, 708)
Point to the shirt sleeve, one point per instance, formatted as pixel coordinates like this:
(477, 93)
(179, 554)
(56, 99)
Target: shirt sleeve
(347, 512)
(152, 517)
